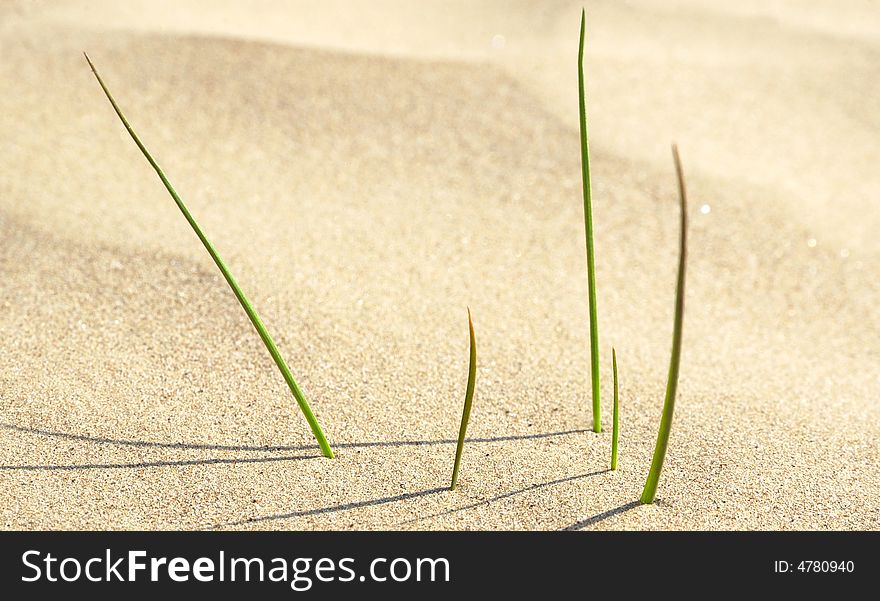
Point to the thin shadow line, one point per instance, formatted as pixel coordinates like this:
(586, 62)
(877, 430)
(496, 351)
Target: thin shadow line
(113, 466)
(333, 509)
(602, 516)
(220, 447)
(508, 494)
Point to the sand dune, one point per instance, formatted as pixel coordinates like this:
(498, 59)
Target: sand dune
(368, 174)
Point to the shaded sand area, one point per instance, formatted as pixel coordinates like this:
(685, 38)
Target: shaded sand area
(367, 173)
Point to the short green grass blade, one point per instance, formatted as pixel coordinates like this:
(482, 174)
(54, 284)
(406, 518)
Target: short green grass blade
(468, 401)
(588, 227)
(650, 490)
(236, 289)
(615, 432)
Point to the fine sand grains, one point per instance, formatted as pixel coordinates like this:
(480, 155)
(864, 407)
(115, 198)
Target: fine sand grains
(366, 194)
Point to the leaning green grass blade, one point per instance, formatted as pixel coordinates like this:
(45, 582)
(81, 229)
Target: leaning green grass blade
(468, 401)
(588, 228)
(236, 289)
(615, 432)
(650, 490)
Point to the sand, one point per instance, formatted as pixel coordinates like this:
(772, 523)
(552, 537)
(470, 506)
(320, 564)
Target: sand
(367, 173)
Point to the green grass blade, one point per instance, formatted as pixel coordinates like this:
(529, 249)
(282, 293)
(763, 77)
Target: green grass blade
(650, 490)
(588, 228)
(615, 433)
(468, 401)
(236, 289)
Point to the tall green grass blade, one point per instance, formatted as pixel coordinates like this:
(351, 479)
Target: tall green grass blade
(468, 401)
(588, 227)
(650, 490)
(236, 289)
(615, 432)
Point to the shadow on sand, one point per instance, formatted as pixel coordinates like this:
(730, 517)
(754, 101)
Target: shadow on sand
(508, 495)
(310, 447)
(239, 448)
(332, 508)
(146, 464)
(580, 525)
(406, 497)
